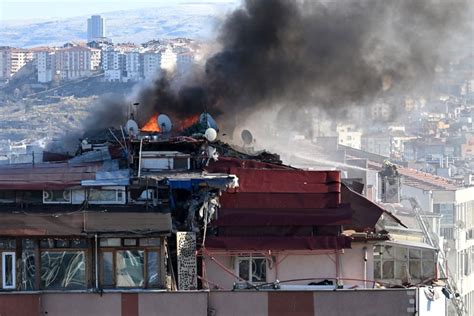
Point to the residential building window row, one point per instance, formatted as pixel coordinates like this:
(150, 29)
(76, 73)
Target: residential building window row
(69, 263)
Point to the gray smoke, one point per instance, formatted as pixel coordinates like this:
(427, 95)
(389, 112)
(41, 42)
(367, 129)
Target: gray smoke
(326, 54)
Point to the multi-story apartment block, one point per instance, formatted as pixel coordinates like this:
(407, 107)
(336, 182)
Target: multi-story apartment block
(95, 58)
(74, 62)
(132, 66)
(151, 64)
(12, 60)
(19, 58)
(112, 64)
(5, 63)
(46, 65)
(184, 62)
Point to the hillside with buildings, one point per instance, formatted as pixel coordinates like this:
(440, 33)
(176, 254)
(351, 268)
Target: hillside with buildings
(192, 20)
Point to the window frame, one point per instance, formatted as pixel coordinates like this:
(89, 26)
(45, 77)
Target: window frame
(13, 271)
(122, 247)
(249, 258)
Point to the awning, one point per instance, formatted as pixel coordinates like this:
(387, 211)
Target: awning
(79, 223)
(366, 212)
(278, 243)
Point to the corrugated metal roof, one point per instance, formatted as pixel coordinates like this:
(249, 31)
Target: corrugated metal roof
(46, 175)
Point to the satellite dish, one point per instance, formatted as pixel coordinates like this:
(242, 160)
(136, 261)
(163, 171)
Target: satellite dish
(210, 134)
(207, 120)
(246, 136)
(164, 123)
(131, 127)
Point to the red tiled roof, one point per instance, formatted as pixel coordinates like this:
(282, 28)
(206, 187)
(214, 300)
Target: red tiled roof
(419, 179)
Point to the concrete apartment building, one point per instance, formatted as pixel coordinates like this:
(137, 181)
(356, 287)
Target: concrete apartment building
(5, 63)
(74, 62)
(46, 65)
(12, 60)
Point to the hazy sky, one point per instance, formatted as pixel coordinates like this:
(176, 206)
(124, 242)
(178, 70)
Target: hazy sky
(43, 9)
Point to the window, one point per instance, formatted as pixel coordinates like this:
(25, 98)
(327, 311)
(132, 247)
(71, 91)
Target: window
(99, 196)
(63, 263)
(8, 270)
(130, 262)
(404, 263)
(63, 270)
(56, 196)
(252, 269)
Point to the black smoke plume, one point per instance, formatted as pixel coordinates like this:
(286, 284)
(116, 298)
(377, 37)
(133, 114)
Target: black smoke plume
(328, 54)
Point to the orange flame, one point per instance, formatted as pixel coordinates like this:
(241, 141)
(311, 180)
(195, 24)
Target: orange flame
(189, 121)
(151, 125)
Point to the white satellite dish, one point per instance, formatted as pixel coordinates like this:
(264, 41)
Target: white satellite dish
(164, 122)
(210, 134)
(207, 120)
(246, 136)
(131, 127)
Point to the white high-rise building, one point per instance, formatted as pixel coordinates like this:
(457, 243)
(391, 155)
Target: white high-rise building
(46, 65)
(95, 27)
(19, 58)
(184, 62)
(151, 64)
(112, 64)
(133, 66)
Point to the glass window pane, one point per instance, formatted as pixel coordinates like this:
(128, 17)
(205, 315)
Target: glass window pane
(107, 268)
(428, 254)
(429, 270)
(401, 270)
(152, 242)
(153, 268)
(387, 270)
(244, 269)
(415, 269)
(129, 268)
(110, 242)
(8, 273)
(377, 267)
(415, 253)
(78, 243)
(62, 243)
(28, 244)
(28, 270)
(259, 270)
(7, 243)
(47, 243)
(401, 253)
(130, 242)
(388, 252)
(63, 270)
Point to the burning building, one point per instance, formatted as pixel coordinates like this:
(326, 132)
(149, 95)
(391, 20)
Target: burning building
(171, 208)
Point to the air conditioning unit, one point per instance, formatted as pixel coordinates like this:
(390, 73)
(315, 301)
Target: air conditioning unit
(56, 196)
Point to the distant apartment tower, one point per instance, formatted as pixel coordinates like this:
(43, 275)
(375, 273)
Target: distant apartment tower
(5, 63)
(95, 27)
(46, 65)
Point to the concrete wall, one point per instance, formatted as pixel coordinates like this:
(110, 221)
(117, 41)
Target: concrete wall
(316, 266)
(363, 302)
